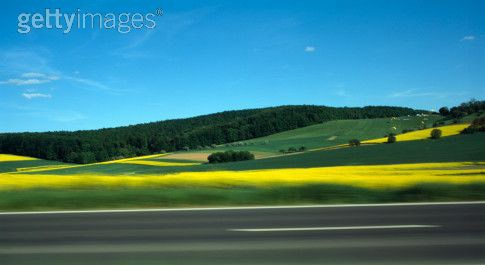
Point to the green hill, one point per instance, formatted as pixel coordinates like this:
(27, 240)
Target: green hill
(110, 144)
(448, 149)
(333, 133)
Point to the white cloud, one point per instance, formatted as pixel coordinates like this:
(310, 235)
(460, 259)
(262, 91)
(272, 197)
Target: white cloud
(53, 77)
(32, 75)
(468, 38)
(310, 48)
(35, 95)
(31, 78)
(23, 82)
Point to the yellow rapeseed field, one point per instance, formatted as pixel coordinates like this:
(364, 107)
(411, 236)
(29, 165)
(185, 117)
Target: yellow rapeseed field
(447, 130)
(375, 177)
(10, 158)
(132, 160)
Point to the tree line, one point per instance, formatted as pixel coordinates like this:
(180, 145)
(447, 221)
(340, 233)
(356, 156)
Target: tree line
(180, 134)
(464, 109)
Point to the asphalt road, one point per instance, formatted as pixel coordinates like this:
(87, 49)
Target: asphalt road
(395, 234)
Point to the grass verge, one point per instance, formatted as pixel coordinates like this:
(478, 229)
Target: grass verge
(52, 199)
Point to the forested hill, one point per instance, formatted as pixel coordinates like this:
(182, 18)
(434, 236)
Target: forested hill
(171, 135)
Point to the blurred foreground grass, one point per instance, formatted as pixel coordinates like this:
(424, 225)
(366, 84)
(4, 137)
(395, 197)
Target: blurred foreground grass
(52, 199)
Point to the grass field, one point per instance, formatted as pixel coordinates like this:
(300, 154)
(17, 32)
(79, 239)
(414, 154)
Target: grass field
(448, 149)
(49, 199)
(324, 135)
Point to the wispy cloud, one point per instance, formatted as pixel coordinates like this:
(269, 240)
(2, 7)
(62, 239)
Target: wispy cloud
(35, 95)
(30, 78)
(35, 69)
(24, 82)
(18, 60)
(89, 82)
(413, 93)
(468, 38)
(39, 75)
(139, 45)
(310, 48)
(131, 50)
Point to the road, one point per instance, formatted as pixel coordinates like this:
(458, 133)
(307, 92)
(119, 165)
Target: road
(370, 234)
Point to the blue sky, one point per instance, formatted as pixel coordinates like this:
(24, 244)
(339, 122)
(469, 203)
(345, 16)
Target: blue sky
(209, 56)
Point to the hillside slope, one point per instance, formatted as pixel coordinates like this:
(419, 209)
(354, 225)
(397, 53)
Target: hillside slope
(333, 133)
(457, 148)
(115, 143)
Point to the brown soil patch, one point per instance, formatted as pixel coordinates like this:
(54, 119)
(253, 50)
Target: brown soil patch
(202, 157)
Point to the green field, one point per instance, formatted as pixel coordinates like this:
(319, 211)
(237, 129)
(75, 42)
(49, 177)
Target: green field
(332, 133)
(10, 166)
(449, 149)
(40, 199)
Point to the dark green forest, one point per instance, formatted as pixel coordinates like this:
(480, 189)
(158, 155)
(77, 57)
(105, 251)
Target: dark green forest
(180, 134)
(466, 108)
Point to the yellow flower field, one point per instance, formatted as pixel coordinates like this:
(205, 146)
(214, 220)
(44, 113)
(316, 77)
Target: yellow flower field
(447, 130)
(130, 159)
(11, 158)
(375, 177)
(133, 160)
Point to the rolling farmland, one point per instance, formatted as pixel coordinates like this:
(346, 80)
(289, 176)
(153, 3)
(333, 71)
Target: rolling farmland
(374, 171)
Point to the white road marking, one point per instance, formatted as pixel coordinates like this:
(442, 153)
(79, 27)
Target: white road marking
(242, 208)
(331, 228)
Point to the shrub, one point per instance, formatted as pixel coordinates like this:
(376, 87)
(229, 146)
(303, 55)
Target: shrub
(354, 142)
(444, 111)
(436, 133)
(230, 156)
(292, 150)
(391, 139)
(478, 125)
